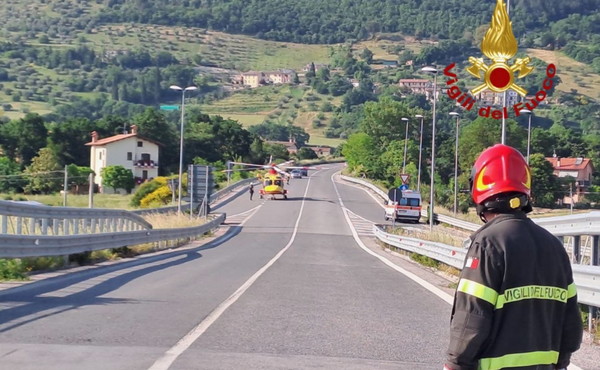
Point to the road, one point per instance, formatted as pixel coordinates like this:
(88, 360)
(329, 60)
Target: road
(290, 284)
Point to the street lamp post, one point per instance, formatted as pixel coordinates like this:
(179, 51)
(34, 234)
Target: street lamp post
(529, 113)
(183, 90)
(431, 194)
(420, 150)
(457, 115)
(405, 144)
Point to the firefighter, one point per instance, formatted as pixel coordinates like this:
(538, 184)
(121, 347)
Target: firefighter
(516, 304)
(251, 190)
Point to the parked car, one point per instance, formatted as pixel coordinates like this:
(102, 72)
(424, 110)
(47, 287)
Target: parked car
(296, 174)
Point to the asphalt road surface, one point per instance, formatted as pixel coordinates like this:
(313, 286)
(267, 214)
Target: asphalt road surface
(288, 284)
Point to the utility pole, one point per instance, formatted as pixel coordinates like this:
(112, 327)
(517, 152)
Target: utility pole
(571, 196)
(65, 187)
(91, 191)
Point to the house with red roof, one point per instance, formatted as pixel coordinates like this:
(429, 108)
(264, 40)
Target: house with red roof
(580, 169)
(138, 154)
(321, 150)
(290, 146)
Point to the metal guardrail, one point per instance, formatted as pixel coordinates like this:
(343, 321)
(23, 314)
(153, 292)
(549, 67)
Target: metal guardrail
(572, 225)
(587, 278)
(39, 230)
(576, 224)
(451, 256)
(19, 218)
(461, 224)
(15, 246)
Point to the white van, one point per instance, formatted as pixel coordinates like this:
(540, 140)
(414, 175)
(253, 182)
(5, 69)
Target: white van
(403, 205)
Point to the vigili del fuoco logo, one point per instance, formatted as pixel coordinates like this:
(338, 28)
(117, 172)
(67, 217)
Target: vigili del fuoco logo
(499, 45)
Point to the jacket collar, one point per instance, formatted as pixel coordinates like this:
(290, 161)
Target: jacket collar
(499, 218)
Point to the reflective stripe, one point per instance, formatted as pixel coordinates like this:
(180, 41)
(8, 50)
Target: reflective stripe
(478, 290)
(516, 294)
(536, 292)
(572, 290)
(519, 360)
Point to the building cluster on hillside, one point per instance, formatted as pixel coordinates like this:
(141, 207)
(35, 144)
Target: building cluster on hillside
(486, 97)
(257, 78)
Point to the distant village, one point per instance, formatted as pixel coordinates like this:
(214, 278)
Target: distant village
(254, 79)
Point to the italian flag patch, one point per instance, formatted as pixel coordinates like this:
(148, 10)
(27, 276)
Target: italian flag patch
(472, 262)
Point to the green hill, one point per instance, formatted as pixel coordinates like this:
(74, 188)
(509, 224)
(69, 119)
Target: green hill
(124, 54)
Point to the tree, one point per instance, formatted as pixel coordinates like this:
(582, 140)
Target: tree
(382, 120)
(306, 153)
(217, 139)
(118, 177)
(10, 181)
(339, 85)
(276, 151)
(298, 134)
(483, 133)
(257, 152)
(391, 162)
(78, 175)
(67, 141)
(545, 187)
(593, 194)
(323, 74)
(367, 55)
(362, 154)
(44, 175)
(23, 138)
(230, 138)
(153, 125)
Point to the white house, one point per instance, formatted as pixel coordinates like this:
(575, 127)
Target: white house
(131, 151)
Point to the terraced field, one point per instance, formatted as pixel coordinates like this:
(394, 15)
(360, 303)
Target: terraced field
(575, 76)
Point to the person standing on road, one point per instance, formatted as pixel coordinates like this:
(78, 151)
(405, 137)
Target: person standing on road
(516, 304)
(251, 190)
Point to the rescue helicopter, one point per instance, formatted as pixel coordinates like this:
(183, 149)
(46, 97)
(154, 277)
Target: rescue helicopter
(275, 179)
(273, 183)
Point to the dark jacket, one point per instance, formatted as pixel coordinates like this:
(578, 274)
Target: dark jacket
(515, 306)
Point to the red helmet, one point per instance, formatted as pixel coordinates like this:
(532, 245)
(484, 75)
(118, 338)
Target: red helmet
(499, 169)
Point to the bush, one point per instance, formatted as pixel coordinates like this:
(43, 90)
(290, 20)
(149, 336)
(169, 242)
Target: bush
(157, 198)
(143, 191)
(12, 269)
(43, 263)
(424, 260)
(326, 107)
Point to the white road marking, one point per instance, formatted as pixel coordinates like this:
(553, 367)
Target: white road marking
(164, 362)
(362, 225)
(241, 218)
(427, 285)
